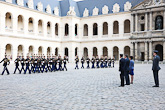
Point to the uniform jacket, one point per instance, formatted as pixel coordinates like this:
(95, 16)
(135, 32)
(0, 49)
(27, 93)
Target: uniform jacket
(155, 65)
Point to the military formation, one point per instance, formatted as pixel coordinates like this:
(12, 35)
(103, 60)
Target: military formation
(36, 64)
(96, 62)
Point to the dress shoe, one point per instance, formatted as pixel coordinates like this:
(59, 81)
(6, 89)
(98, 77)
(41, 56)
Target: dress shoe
(121, 86)
(155, 86)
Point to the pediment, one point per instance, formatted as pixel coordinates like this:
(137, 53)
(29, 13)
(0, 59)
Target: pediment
(148, 4)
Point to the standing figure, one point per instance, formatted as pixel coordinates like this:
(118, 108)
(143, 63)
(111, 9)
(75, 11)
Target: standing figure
(22, 64)
(60, 63)
(156, 68)
(82, 62)
(93, 62)
(37, 65)
(102, 61)
(126, 70)
(6, 62)
(17, 60)
(32, 63)
(113, 62)
(27, 61)
(88, 61)
(105, 62)
(65, 60)
(76, 60)
(109, 62)
(97, 62)
(121, 69)
(131, 67)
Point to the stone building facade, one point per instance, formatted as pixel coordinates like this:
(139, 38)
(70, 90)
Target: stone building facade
(106, 31)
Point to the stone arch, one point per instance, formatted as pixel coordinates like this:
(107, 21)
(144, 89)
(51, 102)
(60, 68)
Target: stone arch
(56, 29)
(116, 52)
(20, 26)
(105, 28)
(49, 51)
(95, 29)
(48, 27)
(127, 26)
(159, 22)
(40, 26)
(30, 24)
(8, 50)
(127, 50)
(8, 21)
(85, 52)
(56, 51)
(105, 51)
(20, 50)
(85, 30)
(115, 27)
(66, 29)
(66, 51)
(40, 50)
(31, 50)
(95, 51)
(159, 47)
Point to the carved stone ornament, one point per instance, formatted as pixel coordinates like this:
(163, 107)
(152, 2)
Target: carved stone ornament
(20, 2)
(71, 11)
(40, 6)
(86, 12)
(95, 11)
(56, 11)
(9, 1)
(127, 6)
(105, 9)
(30, 4)
(116, 8)
(48, 9)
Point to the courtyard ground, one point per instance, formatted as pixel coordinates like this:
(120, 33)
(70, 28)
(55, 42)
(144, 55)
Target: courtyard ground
(83, 89)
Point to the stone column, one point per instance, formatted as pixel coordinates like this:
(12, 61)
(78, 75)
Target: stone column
(146, 45)
(100, 30)
(132, 23)
(25, 25)
(15, 23)
(131, 49)
(53, 30)
(146, 21)
(164, 24)
(45, 28)
(35, 25)
(163, 50)
(136, 51)
(150, 51)
(2, 23)
(110, 29)
(136, 22)
(150, 21)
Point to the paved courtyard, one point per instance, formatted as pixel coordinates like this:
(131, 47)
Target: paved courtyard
(95, 89)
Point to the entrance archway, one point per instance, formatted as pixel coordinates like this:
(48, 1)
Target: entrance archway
(160, 51)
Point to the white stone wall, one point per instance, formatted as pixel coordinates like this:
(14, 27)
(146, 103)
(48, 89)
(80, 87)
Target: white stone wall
(45, 40)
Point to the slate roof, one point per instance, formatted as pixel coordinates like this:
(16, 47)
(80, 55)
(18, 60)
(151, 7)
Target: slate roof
(64, 5)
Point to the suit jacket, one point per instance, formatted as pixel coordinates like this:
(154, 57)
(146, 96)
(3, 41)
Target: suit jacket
(126, 68)
(121, 64)
(155, 65)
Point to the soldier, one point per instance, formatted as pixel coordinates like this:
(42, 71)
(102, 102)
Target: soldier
(82, 62)
(97, 61)
(37, 65)
(102, 61)
(6, 62)
(77, 60)
(32, 64)
(27, 61)
(55, 63)
(22, 64)
(105, 62)
(93, 62)
(17, 60)
(49, 63)
(60, 63)
(109, 62)
(113, 61)
(88, 61)
(43, 64)
(65, 60)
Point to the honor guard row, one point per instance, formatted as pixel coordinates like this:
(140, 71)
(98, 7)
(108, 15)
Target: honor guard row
(103, 62)
(36, 63)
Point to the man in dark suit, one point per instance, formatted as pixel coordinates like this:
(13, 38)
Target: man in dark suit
(126, 70)
(156, 68)
(121, 69)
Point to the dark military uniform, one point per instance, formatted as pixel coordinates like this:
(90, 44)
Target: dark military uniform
(93, 62)
(27, 62)
(113, 62)
(105, 62)
(82, 62)
(77, 60)
(22, 64)
(109, 62)
(102, 61)
(97, 62)
(6, 62)
(65, 61)
(88, 61)
(17, 65)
